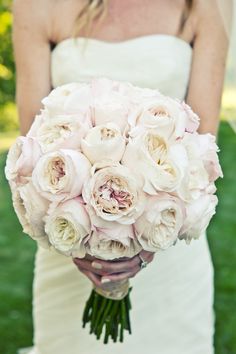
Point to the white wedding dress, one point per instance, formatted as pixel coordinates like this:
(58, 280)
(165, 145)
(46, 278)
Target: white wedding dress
(173, 297)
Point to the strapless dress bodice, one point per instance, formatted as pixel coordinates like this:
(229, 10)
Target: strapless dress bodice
(156, 61)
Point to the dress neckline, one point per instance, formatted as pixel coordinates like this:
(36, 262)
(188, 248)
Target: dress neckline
(124, 42)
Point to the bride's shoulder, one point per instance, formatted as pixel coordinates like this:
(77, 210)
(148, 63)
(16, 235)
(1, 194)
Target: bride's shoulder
(212, 14)
(32, 14)
(43, 19)
(34, 7)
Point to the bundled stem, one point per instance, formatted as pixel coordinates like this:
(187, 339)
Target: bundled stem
(107, 315)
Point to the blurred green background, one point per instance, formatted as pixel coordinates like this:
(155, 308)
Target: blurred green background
(17, 250)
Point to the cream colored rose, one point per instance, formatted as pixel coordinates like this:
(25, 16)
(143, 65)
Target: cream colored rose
(161, 165)
(158, 227)
(111, 240)
(21, 160)
(67, 227)
(196, 178)
(59, 132)
(192, 121)
(100, 245)
(104, 142)
(208, 152)
(113, 193)
(109, 105)
(198, 215)
(60, 175)
(68, 99)
(166, 115)
(31, 208)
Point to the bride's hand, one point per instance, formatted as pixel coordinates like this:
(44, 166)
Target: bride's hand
(101, 272)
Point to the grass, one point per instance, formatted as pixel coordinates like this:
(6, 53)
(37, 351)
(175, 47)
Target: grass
(222, 239)
(17, 254)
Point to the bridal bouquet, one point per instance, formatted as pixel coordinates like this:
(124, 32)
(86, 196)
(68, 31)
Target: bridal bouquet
(108, 169)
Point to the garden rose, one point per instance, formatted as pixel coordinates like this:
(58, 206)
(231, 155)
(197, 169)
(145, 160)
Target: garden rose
(104, 142)
(199, 173)
(192, 119)
(67, 227)
(61, 132)
(110, 106)
(113, 193)
(21, 160)
(161, 165)
(31, 208)
(68, 99)
(158, 227)
(208, 152)
(60, 175)
(198, 215)
(111, 240)
(163, 114)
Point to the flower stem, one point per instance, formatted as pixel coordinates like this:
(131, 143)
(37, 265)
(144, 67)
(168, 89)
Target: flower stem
(110, 316)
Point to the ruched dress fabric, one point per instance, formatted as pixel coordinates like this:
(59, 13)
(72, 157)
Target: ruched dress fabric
(173, 297)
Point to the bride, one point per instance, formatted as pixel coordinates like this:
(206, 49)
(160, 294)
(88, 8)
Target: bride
(178, 47)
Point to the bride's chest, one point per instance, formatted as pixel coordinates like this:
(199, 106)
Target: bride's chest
(157, 61)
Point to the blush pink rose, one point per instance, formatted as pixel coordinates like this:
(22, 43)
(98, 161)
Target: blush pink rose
(158, 227)
(160, 164)
(73, 98)
(208, 150)
(67, 227)
(31, 208)
(198, 215)
(192, 119)
(21, 160)
(109, 105)
(61, 174)
(166, 116)
(111, 240)
(104, 142)
(59, 132)
(113, 193)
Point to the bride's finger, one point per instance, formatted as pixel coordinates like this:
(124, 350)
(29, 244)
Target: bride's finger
(119, 277)
(147, 256)
(86, 264)
(96, 280)
(122, 266)
(116, 266)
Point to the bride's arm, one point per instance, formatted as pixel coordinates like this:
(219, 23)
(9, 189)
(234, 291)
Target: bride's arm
(209, 59)
(32, 57)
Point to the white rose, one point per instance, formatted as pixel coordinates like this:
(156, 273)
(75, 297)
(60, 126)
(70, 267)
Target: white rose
(198, 215)
(193, 121)
(104, 142)
(68, 99)
(60, 175)
(59, 132)
(163, 114)
(196, 179)
(67, 227)
(208, 151)
(158, 227)
(110, 106)
(113, 193)
(31, 208)
(162, 165)
(111, 240)
(135, 94)
(139, 94)
(21, 160)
